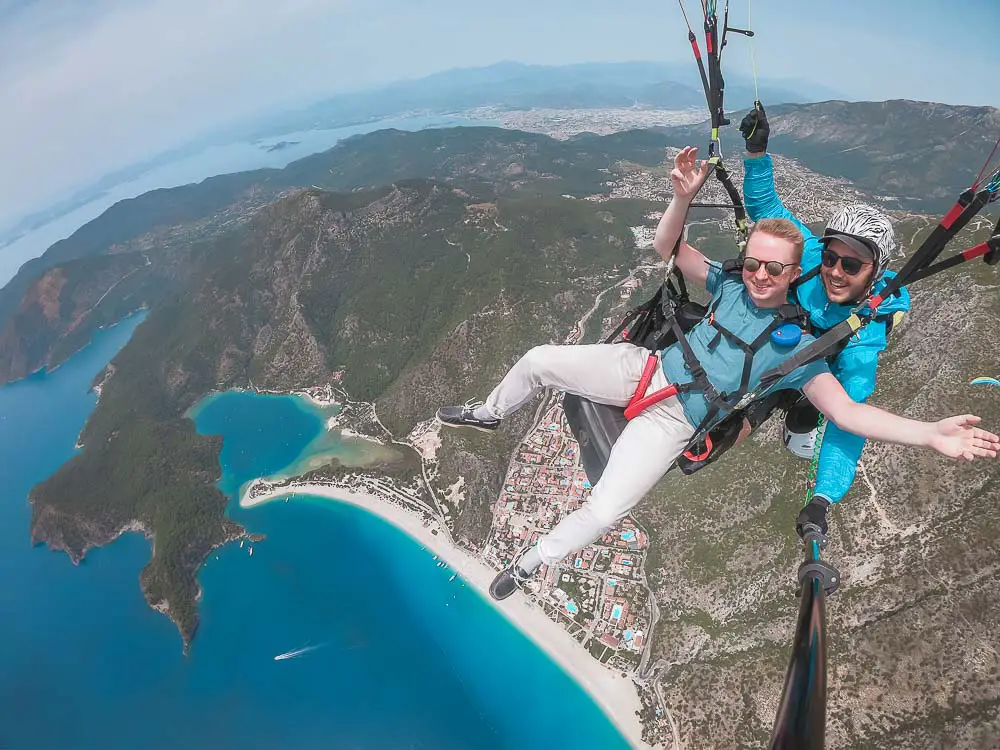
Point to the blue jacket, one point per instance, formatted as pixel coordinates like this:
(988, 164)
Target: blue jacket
(855, 366)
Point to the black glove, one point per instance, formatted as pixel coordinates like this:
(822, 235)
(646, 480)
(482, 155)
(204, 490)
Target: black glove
(755, 129)
(814, 513)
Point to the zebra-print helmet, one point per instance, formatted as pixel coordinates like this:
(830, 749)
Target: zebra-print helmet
(867, 230)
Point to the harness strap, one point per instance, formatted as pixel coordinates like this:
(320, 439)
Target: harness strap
(722, 175)
(810, 274)
(786, 313)
(698, 375)
(699, 378)
(637, 405)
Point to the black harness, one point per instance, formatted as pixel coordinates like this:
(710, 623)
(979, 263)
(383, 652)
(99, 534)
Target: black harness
(717, 401)
(677, 316)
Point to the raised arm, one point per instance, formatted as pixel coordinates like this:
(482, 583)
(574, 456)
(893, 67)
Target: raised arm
(687, 178)
(760, 196)
(955, 437)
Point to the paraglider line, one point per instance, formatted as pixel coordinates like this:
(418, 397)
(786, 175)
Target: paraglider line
(986, 165)
(753, 61)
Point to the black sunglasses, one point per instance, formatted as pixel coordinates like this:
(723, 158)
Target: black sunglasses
(851, 266)
(773, 267)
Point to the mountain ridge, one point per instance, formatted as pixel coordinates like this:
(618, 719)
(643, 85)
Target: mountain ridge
(814, 134)
(514, 85)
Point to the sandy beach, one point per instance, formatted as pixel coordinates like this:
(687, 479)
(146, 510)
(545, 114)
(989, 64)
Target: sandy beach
(321, 397)
(615, 694)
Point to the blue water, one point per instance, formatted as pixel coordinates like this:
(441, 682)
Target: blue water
(405, 658)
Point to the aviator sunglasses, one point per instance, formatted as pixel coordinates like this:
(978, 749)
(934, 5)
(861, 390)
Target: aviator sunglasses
(773, 267)
(851, 266)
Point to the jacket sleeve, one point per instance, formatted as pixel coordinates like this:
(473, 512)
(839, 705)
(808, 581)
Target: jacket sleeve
(761, 197)
(839, 455)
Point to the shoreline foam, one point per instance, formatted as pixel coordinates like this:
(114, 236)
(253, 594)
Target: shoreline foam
(616, 695)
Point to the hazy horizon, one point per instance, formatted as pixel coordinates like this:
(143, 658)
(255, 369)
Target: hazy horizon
(91, 88)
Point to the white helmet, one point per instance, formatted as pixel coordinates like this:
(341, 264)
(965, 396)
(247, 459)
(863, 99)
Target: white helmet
(801, 429)
(866, 230)
(801, 444)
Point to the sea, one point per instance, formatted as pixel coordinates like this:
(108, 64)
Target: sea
(383, 647)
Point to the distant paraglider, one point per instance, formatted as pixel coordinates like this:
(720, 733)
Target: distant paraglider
(985, 381)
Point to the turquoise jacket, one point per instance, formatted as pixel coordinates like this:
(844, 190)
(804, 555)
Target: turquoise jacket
(855, 366)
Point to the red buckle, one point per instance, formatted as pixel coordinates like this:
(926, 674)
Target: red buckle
(708, 451)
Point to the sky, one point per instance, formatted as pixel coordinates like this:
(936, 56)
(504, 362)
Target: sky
(91, 86)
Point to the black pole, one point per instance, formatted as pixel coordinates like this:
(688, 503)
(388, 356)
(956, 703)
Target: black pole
(800, 723)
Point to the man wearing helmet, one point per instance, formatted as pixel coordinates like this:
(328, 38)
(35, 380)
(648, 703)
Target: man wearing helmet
(841, 268)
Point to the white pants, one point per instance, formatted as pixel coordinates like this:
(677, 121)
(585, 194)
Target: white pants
(650, 443)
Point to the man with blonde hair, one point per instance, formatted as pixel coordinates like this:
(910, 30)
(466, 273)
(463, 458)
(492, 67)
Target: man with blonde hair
(744, 335)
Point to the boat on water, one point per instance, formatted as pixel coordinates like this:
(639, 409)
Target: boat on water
(296, 652)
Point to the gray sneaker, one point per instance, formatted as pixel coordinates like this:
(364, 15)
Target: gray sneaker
(507, 581)
(462, 416)
(511, 578)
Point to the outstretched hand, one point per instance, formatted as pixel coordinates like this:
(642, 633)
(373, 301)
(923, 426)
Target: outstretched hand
(688, 176)
(956, 437)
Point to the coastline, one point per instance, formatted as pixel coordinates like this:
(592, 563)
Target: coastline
(616, 695)
(320, 398)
